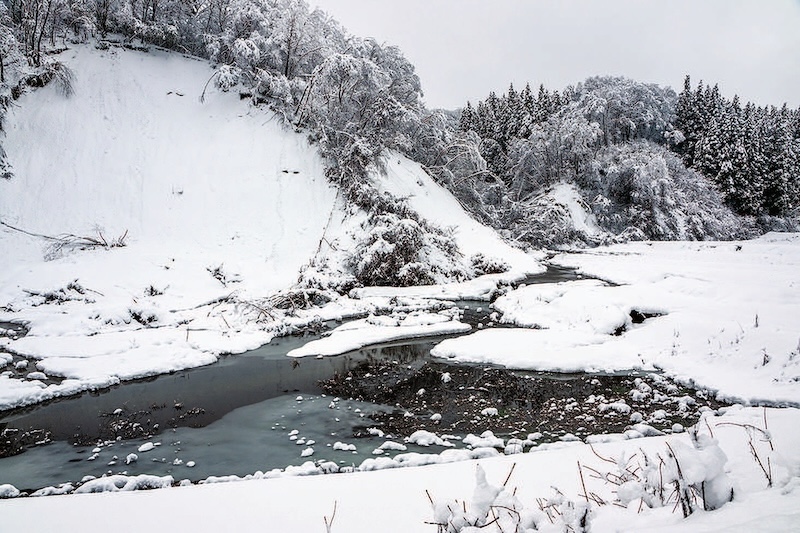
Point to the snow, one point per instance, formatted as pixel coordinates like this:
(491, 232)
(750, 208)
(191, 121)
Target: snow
(532, 349)
(582, 220)
(8, 491)
(427, 438)
(120, 483)
(375, 330)
(485, 440)
(727, 310)
(396, 497)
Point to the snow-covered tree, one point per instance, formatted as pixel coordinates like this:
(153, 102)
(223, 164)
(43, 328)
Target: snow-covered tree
(9, 46)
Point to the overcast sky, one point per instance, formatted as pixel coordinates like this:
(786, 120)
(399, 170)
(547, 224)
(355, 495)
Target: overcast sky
(463, 49)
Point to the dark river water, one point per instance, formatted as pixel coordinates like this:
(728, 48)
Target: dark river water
(255, 411)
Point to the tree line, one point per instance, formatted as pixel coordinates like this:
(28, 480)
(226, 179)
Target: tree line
(751, 154)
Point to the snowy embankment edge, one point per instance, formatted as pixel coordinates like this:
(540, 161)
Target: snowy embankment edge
(362, 333)
(365, 500)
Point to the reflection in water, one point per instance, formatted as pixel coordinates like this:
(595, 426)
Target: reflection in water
(197, 397)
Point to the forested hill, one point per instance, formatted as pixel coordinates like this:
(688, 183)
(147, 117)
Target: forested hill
(353, 96)
(646, 160)
(607, 159)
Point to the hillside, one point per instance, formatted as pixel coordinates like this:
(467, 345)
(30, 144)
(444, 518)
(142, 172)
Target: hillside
(216, 200)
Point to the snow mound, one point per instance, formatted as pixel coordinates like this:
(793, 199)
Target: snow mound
(375, 330)
(122, 483)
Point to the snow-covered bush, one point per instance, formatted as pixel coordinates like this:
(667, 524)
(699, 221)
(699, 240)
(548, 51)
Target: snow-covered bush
(642, 187)
(390, 253)
(497, 509)
(399, 247)
(487, 265)
(545, 222)
(689, 477)
(319, 275)
(53, 71)
(401, 251)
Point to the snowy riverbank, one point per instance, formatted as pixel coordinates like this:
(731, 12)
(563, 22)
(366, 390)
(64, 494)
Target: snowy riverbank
(397, 499)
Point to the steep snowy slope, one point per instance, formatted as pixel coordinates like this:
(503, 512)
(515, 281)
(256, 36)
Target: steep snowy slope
(216, 198)
(196, 186)
(135, 150)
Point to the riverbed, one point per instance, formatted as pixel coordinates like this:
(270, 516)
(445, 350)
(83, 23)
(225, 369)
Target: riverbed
(262, 411)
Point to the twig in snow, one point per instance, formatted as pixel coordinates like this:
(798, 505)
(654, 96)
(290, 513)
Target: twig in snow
(583, 483)
(203, 94)
(508, 477)
(329, 524)
(606, 459)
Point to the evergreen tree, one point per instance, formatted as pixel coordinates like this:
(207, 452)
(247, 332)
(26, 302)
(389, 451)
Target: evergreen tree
(466, 121)
(781, 171)
(528, 107)
(543, 106)
(687, 120)
(513, 115)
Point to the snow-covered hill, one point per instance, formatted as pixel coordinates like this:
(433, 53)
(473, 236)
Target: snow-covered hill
(135, 150)
(214, 198)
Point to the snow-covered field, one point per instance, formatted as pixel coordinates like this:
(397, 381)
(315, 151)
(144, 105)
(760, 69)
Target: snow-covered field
(221, 205)
(727, 317)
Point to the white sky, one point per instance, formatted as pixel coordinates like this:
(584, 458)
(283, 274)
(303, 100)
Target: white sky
(463, 49)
